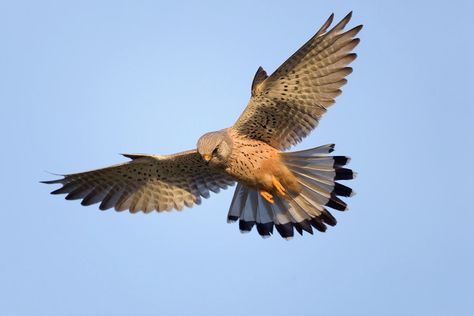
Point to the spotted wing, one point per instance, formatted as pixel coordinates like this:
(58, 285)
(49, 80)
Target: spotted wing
(146, 183)
(287, 106)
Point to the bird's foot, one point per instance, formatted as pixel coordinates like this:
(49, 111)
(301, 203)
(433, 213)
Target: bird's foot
(267, 196)
(278, 186)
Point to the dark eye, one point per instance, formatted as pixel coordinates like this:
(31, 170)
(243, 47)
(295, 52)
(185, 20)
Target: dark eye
(214, 152)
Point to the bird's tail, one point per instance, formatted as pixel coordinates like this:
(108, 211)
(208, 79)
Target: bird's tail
(317, 173)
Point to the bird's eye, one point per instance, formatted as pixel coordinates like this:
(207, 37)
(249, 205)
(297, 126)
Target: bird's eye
(214, 152)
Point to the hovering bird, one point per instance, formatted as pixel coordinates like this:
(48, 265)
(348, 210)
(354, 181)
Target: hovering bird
(275, 189)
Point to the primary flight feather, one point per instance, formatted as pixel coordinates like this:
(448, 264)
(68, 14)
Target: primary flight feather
(276, 189)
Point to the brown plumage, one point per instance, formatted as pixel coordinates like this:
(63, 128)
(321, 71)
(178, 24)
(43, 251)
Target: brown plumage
(275, 189)
(256, 163)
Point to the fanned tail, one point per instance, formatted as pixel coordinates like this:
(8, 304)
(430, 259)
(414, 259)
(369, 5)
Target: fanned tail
(317, 173)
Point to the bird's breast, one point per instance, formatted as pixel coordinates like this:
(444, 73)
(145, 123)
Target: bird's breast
(252, 162)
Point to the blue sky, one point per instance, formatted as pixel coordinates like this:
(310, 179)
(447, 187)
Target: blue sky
(82, 81)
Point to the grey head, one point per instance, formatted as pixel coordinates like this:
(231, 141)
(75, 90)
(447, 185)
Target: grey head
(215, 148)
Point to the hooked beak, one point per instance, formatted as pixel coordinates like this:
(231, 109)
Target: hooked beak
(206, 157)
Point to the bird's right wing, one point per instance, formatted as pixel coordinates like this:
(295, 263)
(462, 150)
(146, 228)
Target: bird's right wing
(287, 105)
(146, 183)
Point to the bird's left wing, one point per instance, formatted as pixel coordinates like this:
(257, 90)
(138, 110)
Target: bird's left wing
(287, 105)
(146, 183)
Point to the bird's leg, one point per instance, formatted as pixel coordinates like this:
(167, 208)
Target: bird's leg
(278, 186)
(267, 196)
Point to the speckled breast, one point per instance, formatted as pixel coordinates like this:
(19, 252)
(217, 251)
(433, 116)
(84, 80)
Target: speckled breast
(250, 159)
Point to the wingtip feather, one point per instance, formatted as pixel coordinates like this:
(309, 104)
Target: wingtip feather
(51, 181)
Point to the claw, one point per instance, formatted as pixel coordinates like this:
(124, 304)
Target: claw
(278, 186)
(267, 196)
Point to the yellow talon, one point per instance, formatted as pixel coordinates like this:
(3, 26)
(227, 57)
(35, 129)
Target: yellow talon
(267, 196)
(278, 186)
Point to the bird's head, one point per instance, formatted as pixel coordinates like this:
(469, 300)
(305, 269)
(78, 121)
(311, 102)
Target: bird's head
(215, 148)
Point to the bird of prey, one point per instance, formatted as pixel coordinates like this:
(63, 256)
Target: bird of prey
(275, 189)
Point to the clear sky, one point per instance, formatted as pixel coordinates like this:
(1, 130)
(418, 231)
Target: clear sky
(82, 81)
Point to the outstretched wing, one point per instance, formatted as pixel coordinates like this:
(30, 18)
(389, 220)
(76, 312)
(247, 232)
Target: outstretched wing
(146, 183)
(287, 105)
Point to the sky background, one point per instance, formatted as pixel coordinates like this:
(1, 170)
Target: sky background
(83, 81)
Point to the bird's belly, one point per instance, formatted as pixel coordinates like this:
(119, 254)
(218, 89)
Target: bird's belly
(254, 165)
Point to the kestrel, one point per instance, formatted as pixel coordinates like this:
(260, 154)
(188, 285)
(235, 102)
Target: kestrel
(278, 189)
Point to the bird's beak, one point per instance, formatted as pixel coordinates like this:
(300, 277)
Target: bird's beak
(206, 157)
